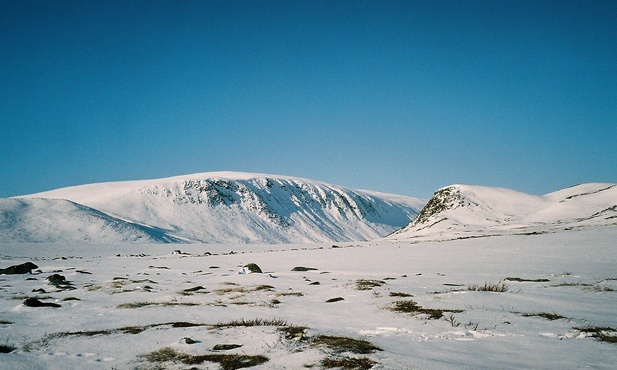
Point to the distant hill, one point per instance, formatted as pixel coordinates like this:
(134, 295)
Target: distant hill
(58, 220)
(463, 211)
(217, 207)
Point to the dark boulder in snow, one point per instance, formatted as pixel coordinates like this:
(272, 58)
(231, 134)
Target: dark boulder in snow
(59, 282)
(225, 347)
(33, 302)
(24, 268)
(250, 268)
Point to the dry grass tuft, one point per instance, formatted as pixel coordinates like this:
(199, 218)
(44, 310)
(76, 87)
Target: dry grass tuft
(356, 363)
(499, 287)
(225, 361)
(546, 315)
(409, 306)
(364, 284)
(158, 304)
(345, 344)
(603, 334)
(249, 323)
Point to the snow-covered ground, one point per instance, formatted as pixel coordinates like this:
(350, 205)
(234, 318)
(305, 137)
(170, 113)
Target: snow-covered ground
(133, 306)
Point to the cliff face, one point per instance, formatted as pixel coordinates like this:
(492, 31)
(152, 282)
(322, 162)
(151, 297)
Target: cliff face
(444, 199)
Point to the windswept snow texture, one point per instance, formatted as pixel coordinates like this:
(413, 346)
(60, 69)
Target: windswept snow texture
(460, 211)
(55, 220)
(228, 207)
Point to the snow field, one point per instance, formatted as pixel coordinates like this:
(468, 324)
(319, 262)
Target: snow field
(126, 299)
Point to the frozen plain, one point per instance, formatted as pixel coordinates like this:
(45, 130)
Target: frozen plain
(124, 299)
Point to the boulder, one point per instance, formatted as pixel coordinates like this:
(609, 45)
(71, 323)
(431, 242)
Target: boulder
(250, 269)
(33, 302)
(24, 268)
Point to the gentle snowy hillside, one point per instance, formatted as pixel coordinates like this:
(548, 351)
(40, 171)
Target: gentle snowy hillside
(460, 211)
(228, 207)
(55, 220)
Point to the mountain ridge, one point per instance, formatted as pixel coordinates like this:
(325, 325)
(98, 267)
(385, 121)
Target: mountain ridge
(231, 207)
(461, 211)
(234, 207)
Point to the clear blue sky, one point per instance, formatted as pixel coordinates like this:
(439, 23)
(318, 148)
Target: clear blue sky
(395, 96)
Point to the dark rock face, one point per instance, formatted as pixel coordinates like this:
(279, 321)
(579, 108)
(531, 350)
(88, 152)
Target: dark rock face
(24, 268)
(443, 199)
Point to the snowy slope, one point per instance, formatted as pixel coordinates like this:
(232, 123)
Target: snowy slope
(55, 220)
(229, 207)
(470, 211)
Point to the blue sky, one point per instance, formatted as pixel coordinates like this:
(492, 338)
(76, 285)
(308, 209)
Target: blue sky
(395, 96)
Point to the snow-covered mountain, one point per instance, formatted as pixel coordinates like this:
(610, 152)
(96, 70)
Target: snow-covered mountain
(461, 211)
(224, 207)
(57, 220)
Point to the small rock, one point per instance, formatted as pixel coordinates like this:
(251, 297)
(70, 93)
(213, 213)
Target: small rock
(225, 347)
(188, 340)
(24, 268)
(302, 268)
(335, 299)
(194, 289)
(33, 302)
(59, 282)
(250, 268)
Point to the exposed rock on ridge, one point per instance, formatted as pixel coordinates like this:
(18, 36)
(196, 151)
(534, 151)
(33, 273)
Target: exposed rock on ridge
(464, 211)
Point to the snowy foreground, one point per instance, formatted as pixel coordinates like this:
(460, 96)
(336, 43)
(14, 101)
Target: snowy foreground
(134, 306)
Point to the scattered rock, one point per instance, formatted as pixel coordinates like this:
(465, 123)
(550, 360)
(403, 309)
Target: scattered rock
(198, 288)
(251, 268)
(59, 282)
(302, 268)
(335, 299)
(33, 302)
(225, 347)
(314, 283)
(24, 268)
(5, 348)
(158, 267)
(188, 340)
